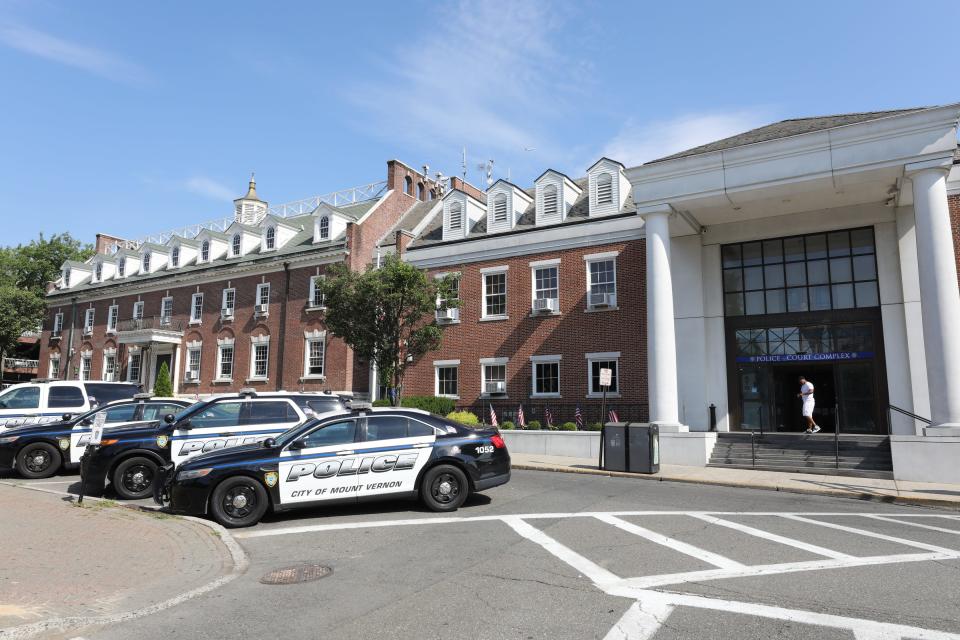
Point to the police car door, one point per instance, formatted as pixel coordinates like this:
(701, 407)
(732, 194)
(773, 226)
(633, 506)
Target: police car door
(393, 452)
(116, 416)
(318, 465)
(232, 422)
(20, 406)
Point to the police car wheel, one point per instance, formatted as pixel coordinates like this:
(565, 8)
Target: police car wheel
(444, 488)
(38, 460)
(133, 478)
(239, 502)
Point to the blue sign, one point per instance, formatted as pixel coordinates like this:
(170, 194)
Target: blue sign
(809, 357)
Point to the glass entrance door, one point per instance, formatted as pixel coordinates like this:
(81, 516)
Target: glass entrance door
(856, 398)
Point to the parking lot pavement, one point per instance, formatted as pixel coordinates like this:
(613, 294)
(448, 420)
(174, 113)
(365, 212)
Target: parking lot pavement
(68, 483)
(565, 556)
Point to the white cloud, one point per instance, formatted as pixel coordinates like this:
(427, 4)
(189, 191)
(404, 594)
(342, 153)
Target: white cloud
(209, 188)
(639, 142)
(50, 47)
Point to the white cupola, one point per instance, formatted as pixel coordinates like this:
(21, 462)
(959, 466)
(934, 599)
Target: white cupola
(460, 212)
(555, 195)
(506, 202)
(249, 209)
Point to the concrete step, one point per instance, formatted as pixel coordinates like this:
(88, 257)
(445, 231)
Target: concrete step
(857, 473)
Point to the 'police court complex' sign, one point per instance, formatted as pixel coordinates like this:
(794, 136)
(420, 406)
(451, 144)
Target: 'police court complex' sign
(810, 357)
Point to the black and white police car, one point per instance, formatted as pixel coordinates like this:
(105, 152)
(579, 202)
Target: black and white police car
(341, 457)
(41, 450)
(129, 457)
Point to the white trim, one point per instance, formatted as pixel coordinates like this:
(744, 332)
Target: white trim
(602, 355)
(259, 341)
(606, 255)
(494, 360)
(225, 341)
(310, 337)
(534, 361)
(494, 271)
(610, 256)
(193, 303)
(446, 363)
(608, 356)
(497, 269)
(545, 358)
(540, 265)
(264, 339)
(545, 263)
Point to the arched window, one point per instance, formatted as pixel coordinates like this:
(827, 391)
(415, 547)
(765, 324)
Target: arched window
(205, 251)
(408, 186)
(271, 238)
(604, 188)
(146, 262)
(433, 193)
(66, 277)
(98, 273)
(122, 266)
(324, 228)
(235, 245)
(456, 216)
(420, 191)
(175, 256)
(550, 200)
(500, 207)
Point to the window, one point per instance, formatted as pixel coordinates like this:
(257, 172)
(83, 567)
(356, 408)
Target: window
(122, 266)
(453, 293)
(546, 376)
(324, 228)
(420, 191)
(456, 216)
(598, 361)
(151, 411)
(408, 186)
(494, 376)
(271, 238)
(66, 277)
(550, 208)
(57, 324)
(235, 245)
(601, 283)
(54, 371)
(205, 251)
(816, 272)
(500, 208)
(122, 413)
(259, 358)
(86, 367)
(196, 307)
(225, 358)
(331, 434)
(22, 398)
(316, 292)
(175, 257)
(314, 350)
(193, 363)
(386, 427)
(65, 398)
(133, 367)
(138, 310)
(604, 188)
(88, 316)
(263, 293)
(219, 414)
(112, 315)
(146, 262)
(104, 393)
(446, 384)
(229, 300)
(495, 294)
(545, 283)
(166, 310)
(109, 367)
(272, 412)
(98, 272)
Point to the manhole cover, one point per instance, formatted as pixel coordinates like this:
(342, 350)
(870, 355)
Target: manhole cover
(297, 574)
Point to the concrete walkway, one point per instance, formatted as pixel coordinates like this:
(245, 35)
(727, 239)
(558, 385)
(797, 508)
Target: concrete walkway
(940, 495)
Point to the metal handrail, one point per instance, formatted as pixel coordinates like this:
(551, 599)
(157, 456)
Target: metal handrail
(165, 323)
(20, 363)
(908, 414)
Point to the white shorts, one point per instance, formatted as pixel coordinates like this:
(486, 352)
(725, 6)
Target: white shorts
(808, 405)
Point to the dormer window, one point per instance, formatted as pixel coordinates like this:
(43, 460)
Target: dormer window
(235, 245)
(550, 201)
(324, 228)
(456, 216)
(122, 266)
(205, 251)
(604, 188)
(271, 238)
(175, 257)
(66, 277)
(146, 262)
(98, 272)
(500, 208)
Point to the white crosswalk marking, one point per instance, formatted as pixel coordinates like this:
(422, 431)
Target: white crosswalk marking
(799, 544)
(872, 534)
(677, 545)
(641, 621)
(916, 524)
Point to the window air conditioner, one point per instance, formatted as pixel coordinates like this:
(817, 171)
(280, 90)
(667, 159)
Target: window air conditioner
(263, 309)
(545, 305)
(165, 321)
(602, 299)
(496, 387)
(226, 314)
(448, 315)
(191, 376)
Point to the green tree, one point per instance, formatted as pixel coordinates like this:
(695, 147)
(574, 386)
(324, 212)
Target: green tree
(162, 386)
(386, 315)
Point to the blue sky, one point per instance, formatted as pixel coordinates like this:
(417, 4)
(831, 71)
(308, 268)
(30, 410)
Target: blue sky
(135, 117)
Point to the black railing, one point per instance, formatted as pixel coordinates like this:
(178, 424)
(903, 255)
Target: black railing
(164, 323)
(560, 412)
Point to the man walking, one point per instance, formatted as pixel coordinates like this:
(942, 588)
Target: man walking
(806, 395)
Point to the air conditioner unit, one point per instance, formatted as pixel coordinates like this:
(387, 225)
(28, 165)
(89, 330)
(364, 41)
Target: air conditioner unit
(263, 309)
(165, 321)
(191, 376)
(54, 335)
(226, 314)
(88, 331)
(496, 387)
(602, 299)
(448, 315)
(542, 305)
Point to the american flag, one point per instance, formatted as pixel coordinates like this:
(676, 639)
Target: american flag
(520, 419)
(613, 415)
(578, 416)
(493, 417)
(548, 416)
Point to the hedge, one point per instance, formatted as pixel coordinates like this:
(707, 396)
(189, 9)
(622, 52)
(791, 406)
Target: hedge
(464, 417)
(438, 406)
(508, 426)
(594, 426)
(533, 425)
(568, 426)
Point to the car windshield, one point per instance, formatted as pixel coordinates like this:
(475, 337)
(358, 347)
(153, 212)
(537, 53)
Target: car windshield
(187, 411)
(290, 434)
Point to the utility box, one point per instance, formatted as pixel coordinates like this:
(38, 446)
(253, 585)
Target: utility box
(633, 447)
(613, 437)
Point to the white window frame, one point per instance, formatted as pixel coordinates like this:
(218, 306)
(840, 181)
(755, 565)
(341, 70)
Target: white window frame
(193, 348)
(544, 264)
(534, 361)
(109, 373)
(57, 328)
(139, 355)
(233, 303)
(492, 362)
(145, 262)
(602, 356)
(53, 370)
(236, 245)
(86, 365)
(445, 364)
(89, 316)
(255, 343)
(442, 302)
(323, 228)
(98, 272)
(311, 302)
(492, 271)
(113, 316)
(175, 256)
(122, 267)
(204, 251)
(309, 339)
(163, 305)
(593, 258)
(226, 343)
(194, 317)
(270, 238)
(263, 286)
(138, 310)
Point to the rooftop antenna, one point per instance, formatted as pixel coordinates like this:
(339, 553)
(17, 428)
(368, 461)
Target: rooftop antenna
(487, 168)
(463, 164)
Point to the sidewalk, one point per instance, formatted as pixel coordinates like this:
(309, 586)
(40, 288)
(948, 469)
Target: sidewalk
(62, 560)
(920, 493)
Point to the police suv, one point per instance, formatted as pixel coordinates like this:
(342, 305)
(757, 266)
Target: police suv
(342, 457)
(40, 401)
(129, 457)
(39, 451)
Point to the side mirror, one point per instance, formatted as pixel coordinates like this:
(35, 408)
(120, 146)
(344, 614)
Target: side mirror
(296, 445)
(86, 422)
(169, 418)
(66, 417)
(269, 443)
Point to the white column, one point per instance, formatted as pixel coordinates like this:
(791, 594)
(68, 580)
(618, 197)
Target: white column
(175, 374)
(939, 294)
(661, 335)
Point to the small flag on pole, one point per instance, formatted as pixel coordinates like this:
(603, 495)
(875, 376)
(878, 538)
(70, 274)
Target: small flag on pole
(613, 415)
(578, 416)
(548, 416)
(520, 419)
(493, 417)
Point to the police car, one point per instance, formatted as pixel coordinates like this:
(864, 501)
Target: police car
(343, 457)
(40, 401)
(39, 451)
(128, 457)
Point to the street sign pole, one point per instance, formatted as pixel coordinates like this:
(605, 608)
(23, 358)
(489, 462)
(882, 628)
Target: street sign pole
(96, 436)
(606, 376)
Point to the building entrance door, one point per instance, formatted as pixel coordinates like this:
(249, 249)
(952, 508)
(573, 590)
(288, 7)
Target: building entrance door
(160, 360)
(787, 415)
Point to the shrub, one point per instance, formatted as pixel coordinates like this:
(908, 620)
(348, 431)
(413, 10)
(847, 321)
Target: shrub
(507, 426)
(163, 387)
(438, 406)
(568, 426)
(594, 426)
(464, 417)
(533, 425)
(382, 402)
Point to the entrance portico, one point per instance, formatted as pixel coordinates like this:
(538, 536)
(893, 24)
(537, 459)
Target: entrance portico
(818, 178)
(158, 341)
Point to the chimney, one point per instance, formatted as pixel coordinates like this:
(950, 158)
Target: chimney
(401, 241)
(466, 187)
(105, 243)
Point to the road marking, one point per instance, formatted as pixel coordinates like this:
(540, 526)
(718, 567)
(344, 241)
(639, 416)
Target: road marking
(596, 573)
(773, 537)
(917, 524)
(641, 621)
(874, 534)
(30, 484)
(701, 554)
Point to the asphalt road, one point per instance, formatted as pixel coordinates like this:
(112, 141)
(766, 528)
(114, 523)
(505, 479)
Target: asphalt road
(588, 559)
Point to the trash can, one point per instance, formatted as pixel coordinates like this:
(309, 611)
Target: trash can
(613, 440)
(643, 448)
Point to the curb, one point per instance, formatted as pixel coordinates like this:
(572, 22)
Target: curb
(855, 495)
(238, 558)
